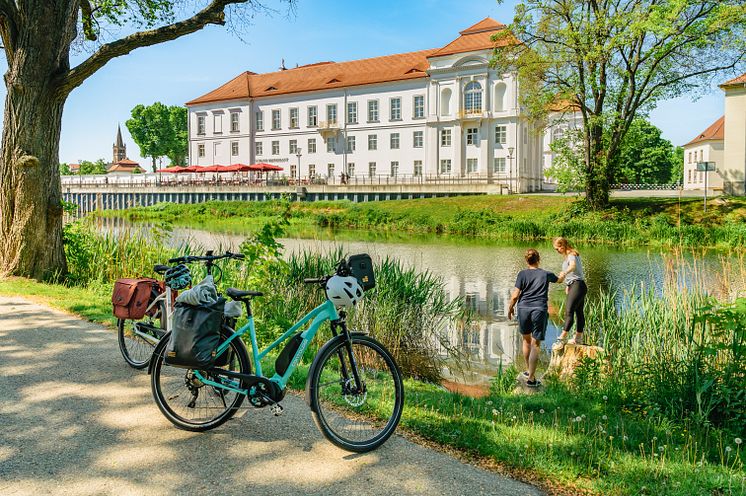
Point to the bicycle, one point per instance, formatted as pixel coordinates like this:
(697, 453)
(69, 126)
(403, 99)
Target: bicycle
(354, 387)
(138, 338)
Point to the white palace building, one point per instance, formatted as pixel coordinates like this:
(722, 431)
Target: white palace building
(434, 113)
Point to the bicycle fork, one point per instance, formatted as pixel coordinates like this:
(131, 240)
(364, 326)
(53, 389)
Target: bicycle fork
(359, 387)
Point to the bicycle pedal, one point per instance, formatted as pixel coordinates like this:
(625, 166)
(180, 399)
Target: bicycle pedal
(277, 409)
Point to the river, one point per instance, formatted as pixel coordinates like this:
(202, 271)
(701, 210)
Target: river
(483, 273)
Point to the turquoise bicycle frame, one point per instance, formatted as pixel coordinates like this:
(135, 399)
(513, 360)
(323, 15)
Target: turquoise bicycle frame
(316, 317)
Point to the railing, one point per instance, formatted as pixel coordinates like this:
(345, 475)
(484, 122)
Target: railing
(633, 187)
(252, 180)
(471, 113)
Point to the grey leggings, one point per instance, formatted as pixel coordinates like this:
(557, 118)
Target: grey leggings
(574, 306)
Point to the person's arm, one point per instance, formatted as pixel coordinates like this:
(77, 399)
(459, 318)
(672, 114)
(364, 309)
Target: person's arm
(513, 299)
(570, 268)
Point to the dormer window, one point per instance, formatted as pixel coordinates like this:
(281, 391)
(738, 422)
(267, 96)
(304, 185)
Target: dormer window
(473, 97)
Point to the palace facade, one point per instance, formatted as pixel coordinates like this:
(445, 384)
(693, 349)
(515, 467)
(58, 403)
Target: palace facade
(437, 113)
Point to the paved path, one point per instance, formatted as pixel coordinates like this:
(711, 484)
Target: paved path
(74, 419)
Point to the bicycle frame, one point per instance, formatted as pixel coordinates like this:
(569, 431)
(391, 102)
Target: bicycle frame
(322, 313)
(166, 295)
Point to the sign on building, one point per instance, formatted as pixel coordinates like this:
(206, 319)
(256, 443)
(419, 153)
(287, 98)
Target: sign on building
(705, 166)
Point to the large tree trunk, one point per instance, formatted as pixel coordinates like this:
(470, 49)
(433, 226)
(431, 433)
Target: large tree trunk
(30, 193)
(596, 180)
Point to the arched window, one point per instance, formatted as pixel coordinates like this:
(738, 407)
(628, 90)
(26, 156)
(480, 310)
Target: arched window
(473, 97)
(500, 89)
(445, 102)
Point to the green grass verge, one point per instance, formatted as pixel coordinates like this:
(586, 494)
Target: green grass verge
(630, 221)
(574, 441)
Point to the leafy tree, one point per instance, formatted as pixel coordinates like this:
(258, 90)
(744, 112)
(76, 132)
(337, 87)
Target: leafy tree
(151, 129)
(65, 169)
(97, 167)
(567, 161)
(616, 59)
(178, 146)
(37, 37)
(645, 157)
(677, 171)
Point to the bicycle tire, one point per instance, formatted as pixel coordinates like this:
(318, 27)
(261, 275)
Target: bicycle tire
(168, 407)
(331, 405)
(135, 350)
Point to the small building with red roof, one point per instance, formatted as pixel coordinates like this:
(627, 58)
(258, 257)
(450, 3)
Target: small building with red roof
(707, 146)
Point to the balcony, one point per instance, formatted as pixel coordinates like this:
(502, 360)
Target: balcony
(472, 114)
(328, 129)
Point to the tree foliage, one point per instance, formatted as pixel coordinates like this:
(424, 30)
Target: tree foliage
(88, 167)
(615, 59)
(645, 156)
(150, 128)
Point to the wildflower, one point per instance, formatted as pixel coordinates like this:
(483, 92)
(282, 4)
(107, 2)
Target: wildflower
(738, 440)
(583, 415)
(578, 419)
(605, 417)
(728, 449)
(661, 448)
(489, 403)
(606, 398)
(625, 438)
(655, 455)
(655, 438)
(572, 454)
(611, 438)
(542, 412)
(494, 412)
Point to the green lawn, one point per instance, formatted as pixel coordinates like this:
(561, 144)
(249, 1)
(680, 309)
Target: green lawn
(569, 440)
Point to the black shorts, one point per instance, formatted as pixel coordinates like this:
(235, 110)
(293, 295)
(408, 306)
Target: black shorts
(533, 321)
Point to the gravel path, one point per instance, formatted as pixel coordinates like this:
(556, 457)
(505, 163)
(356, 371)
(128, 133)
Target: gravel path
(75, 419)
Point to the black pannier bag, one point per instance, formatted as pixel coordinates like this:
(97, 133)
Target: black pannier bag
(195, 335)
(361, 267)
(288, 352)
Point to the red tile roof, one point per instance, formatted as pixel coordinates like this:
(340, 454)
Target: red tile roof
(124, 165)
(716, 131)
(328, 75)
(739, 81)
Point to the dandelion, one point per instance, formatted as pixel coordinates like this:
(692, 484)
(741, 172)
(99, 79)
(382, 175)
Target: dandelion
(728, 449)
(489, 403)
(494, 412)
(605, 417)
(738, 440)
(542, 412)
(661, 448)
(578, 419)
(655, 438)
(606, 398)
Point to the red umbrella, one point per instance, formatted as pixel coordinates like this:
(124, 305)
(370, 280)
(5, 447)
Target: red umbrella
(262, 167)
(175, 168)
(235, 168)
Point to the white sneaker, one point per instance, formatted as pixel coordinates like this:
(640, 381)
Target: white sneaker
(576, 340)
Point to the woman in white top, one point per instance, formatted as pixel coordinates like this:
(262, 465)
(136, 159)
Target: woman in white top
(576, 289)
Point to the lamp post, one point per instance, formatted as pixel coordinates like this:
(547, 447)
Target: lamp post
(510, 169)
(298, 154)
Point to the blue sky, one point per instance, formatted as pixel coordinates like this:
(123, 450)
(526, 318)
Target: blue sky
(178, 71)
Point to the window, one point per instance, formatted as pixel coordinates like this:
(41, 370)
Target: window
(258, 148)
(371, 169)
(311, 170)
(394, 169)
(350, 144)
(234, 148)
(311, 148)
(417, 139)
(294, 118)
(690, 160)
(501, 135)
(372, 142)
(499, 167)
(215, 149)
(445, 166)
(394, 141)
(445, 137)
(395, 107)
(259, 120)
(276, 119)
(473, 97)
(557, 134)
(419, 107)
(472, 137)
(331, 144)
(200, 124)
(275, 148)
(331, 113)
(293, 147)
(313, 116)
(472, 165)
(235, 126)
(690, 171)
(350, 169)
(372, 110)
(418, 167)
(201, 150)
(293, 170)
(330, 170)
(351, 112)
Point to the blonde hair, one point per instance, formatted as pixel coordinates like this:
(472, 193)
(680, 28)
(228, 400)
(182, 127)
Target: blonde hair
(565, 245)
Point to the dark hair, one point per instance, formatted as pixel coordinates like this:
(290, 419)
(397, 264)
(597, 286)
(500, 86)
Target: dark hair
(532, 256)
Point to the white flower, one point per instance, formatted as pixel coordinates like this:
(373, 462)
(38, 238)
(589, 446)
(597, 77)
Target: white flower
(606, 398)
(728, 449)
(542, 411)
(489, 402)
(655, 438)
(625, 438)
(661, 448)
(738, 440)
(578, 419)
(605, 417)
(494, 412)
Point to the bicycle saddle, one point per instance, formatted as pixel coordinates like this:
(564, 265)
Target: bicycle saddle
(237, 294)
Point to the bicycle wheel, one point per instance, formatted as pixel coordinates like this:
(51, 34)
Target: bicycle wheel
(137, 348)
(189, 403)
(354, 420)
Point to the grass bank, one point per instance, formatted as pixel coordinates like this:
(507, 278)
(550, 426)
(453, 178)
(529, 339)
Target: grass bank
(665, 222)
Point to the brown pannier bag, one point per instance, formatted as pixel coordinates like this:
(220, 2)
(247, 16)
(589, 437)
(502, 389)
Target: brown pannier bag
(131, 297)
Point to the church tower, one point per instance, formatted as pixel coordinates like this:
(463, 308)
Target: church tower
(119, 148)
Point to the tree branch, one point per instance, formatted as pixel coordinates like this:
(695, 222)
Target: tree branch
(212, 14)
(8, 27)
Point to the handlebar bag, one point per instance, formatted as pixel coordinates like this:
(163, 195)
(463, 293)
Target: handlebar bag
(131, 297)
(195, 335)
(361, 267)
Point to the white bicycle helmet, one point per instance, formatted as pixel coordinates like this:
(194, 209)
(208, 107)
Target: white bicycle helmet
(343, 291)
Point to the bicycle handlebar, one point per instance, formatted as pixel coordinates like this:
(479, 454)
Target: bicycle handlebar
(315, 280)
(342, 270)
(206, 258)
